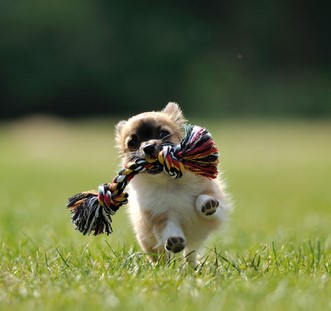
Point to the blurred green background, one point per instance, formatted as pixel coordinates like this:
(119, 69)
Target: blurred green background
(77, 58)
(257, 74)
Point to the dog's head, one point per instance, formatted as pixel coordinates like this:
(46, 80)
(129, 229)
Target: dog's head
(144, 134)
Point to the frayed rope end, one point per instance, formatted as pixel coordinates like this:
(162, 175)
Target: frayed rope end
(88, 215)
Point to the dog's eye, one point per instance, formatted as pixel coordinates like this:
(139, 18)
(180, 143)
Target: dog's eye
(133, 142)
(164, 133)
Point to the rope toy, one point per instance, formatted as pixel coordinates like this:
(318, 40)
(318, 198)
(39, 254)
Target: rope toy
(92, 210)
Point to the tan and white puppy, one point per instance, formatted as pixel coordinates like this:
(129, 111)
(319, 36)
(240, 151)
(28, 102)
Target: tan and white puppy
(168, 215)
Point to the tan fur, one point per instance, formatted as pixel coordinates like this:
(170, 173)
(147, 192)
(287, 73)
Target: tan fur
(168, 213)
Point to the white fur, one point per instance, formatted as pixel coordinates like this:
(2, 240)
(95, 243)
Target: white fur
(178, 200)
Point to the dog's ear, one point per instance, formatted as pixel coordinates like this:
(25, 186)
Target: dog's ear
(175, 112)
(118, 130)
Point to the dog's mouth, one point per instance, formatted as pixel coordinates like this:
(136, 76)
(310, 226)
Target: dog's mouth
(157, 169)
(154, 168)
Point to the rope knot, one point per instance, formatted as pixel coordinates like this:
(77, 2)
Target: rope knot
(111, 197)
(171, 165)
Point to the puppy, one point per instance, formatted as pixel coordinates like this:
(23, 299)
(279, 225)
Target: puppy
(168, 215)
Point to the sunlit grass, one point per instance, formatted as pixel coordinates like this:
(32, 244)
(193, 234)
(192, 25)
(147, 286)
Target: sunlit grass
(275, 253)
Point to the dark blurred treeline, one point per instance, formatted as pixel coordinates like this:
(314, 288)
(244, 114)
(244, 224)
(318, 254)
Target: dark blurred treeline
(85, 57)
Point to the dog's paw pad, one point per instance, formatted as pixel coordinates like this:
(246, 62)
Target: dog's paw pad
(175, 244)
(210, 207)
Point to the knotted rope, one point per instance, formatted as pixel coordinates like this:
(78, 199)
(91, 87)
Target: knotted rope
(196, 153)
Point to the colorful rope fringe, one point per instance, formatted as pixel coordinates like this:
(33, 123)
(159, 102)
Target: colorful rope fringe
(197, 153)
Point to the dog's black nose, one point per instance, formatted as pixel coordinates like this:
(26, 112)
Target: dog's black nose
(150, 149)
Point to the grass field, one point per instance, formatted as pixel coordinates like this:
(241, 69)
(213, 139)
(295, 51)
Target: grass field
(275, 253)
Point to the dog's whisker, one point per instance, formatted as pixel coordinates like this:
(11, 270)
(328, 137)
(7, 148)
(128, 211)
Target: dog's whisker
(166, 137)
(132, 156)
(166, 141)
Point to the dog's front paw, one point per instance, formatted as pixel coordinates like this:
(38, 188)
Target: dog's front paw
(210, 207)
(175, 244)
(207, 205)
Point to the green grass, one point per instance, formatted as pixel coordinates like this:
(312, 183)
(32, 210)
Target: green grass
(275, 253)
